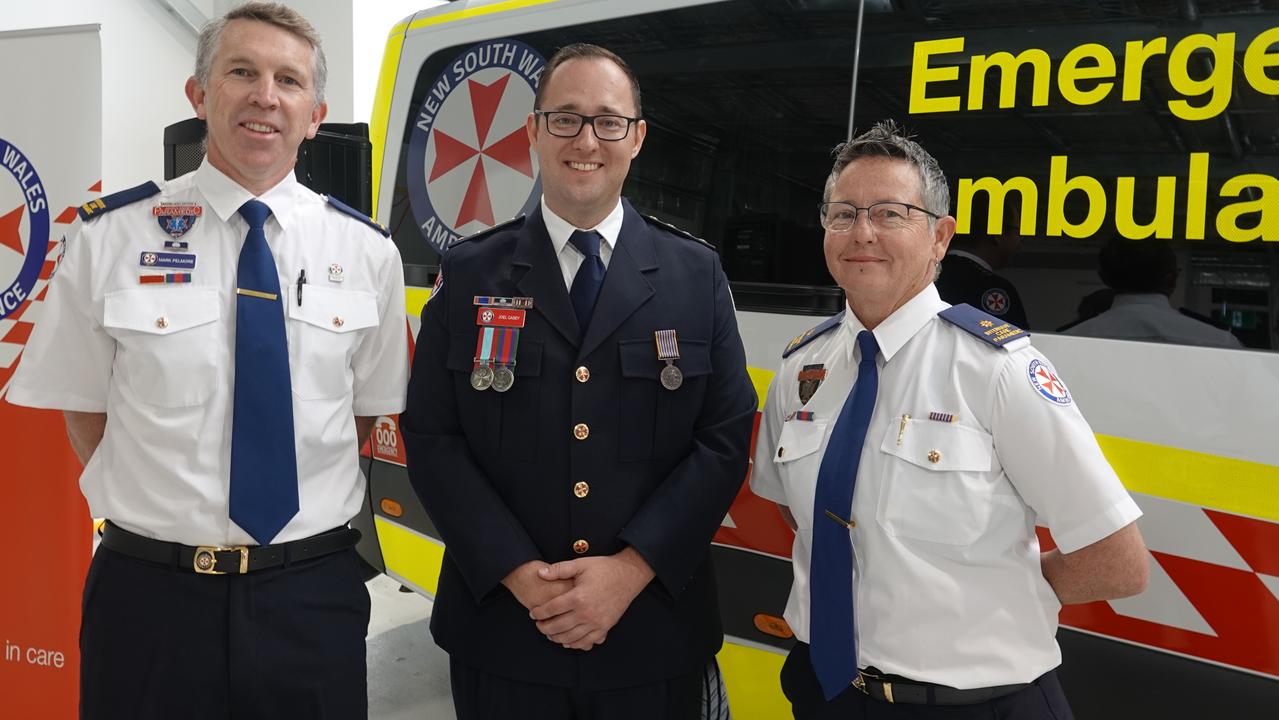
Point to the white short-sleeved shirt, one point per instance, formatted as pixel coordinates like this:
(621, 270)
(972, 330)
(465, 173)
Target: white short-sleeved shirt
(948, 587)
(158, 359)
(1150, 317)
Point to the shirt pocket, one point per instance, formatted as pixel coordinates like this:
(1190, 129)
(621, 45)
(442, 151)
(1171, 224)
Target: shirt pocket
(509, 421)
(939, 483)
(798, 462)
(168, 342)
(324, 331)
(659, 422)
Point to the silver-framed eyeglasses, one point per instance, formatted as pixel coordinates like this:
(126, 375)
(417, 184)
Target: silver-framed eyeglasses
(565, 124)
(840, 217)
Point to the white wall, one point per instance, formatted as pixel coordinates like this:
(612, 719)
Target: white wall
(147, 55)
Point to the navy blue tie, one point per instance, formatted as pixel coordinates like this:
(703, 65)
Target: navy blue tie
(264, 466)
(589, 277)
(833, 638)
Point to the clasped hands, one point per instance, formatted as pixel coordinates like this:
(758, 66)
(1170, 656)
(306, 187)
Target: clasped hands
(576, 602)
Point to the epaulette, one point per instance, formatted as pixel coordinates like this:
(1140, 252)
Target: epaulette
(488, 231)
(808, 335)
(344, 208)
(114, 201)
(682, 233)
(987, 328)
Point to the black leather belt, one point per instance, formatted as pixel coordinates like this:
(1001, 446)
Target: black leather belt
(918, 693)
(234, 560)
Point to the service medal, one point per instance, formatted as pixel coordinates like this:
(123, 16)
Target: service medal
(503, 379)
(668, 349)
(672, 377)
(482, 377)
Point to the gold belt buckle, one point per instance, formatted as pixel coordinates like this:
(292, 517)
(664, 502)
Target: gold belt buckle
(859, 682)
(205, 561)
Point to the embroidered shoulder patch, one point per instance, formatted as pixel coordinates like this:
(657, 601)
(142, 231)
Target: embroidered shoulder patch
(808, 335)
(115, 201)
(983, 326)
(348, 210)
(1044, 379)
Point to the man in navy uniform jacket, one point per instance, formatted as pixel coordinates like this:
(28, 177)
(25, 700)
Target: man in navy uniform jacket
(578, 423)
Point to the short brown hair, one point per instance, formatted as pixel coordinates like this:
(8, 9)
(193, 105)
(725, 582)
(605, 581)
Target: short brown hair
(578, 51)
(281, 16)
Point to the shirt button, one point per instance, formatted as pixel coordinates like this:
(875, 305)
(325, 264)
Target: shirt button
(338, 321)
(581, 431)
(582, 374)
(581, 489)
(781, 451)
(934, 457)
(581, 546)
(162, 322)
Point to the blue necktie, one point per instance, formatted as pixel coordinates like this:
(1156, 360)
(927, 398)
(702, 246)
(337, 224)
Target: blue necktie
(833, 638)
(264, 466)
(589, 277)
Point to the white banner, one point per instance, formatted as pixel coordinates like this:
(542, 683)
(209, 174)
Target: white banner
(51, 154)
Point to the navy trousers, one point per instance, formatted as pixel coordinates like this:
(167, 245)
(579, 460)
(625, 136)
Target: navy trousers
(1041, 700)
(478, 695)
(157, 642)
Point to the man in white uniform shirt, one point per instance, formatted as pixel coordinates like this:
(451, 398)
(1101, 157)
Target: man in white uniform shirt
(221, 344)
(914, 447)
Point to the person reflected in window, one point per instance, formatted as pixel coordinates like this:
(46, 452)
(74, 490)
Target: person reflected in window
(1143, 275)
(968, 272)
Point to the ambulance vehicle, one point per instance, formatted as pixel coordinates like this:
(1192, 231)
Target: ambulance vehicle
(1155, 122)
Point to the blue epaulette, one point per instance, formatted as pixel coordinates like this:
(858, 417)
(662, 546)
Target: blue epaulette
(987, 328)
(343, 207)
(671, 228)
(104, 205)
(488, 231)
(807, 336)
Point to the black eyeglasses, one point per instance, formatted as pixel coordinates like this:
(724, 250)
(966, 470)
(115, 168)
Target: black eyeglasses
(565, 124)
(840, 217)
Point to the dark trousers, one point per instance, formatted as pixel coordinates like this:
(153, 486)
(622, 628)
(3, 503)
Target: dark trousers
(156, 642)
(1041, 700)
(478, 695)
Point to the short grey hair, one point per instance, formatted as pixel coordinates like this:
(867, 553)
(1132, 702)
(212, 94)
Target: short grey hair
(888, 139)
(281, 16)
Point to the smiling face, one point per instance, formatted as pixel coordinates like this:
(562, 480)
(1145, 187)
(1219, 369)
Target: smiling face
(880, 270)
(259, 103)
(582, 176)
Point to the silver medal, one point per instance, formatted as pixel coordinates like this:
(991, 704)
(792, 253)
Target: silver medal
(482, 377)
(671, 377)
(503, 379)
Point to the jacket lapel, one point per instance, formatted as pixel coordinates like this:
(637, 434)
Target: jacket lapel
(625, 287)
(536, 272)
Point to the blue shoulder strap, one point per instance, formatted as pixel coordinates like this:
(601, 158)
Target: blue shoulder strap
(104, 205)
(347, 209)
(987, 328)
(807, 336)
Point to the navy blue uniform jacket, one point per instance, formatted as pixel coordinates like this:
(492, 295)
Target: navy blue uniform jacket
(496, 471)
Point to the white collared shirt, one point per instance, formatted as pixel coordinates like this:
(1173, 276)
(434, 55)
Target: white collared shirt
(963, 456)
(1151, 317)
(158, 359)
(610, 228)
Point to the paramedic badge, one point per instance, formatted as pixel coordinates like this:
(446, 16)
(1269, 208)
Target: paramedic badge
(1045, 380)
(810, 378)
(176, 219)
(470, 164)
(24, 230)
(995, 301)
